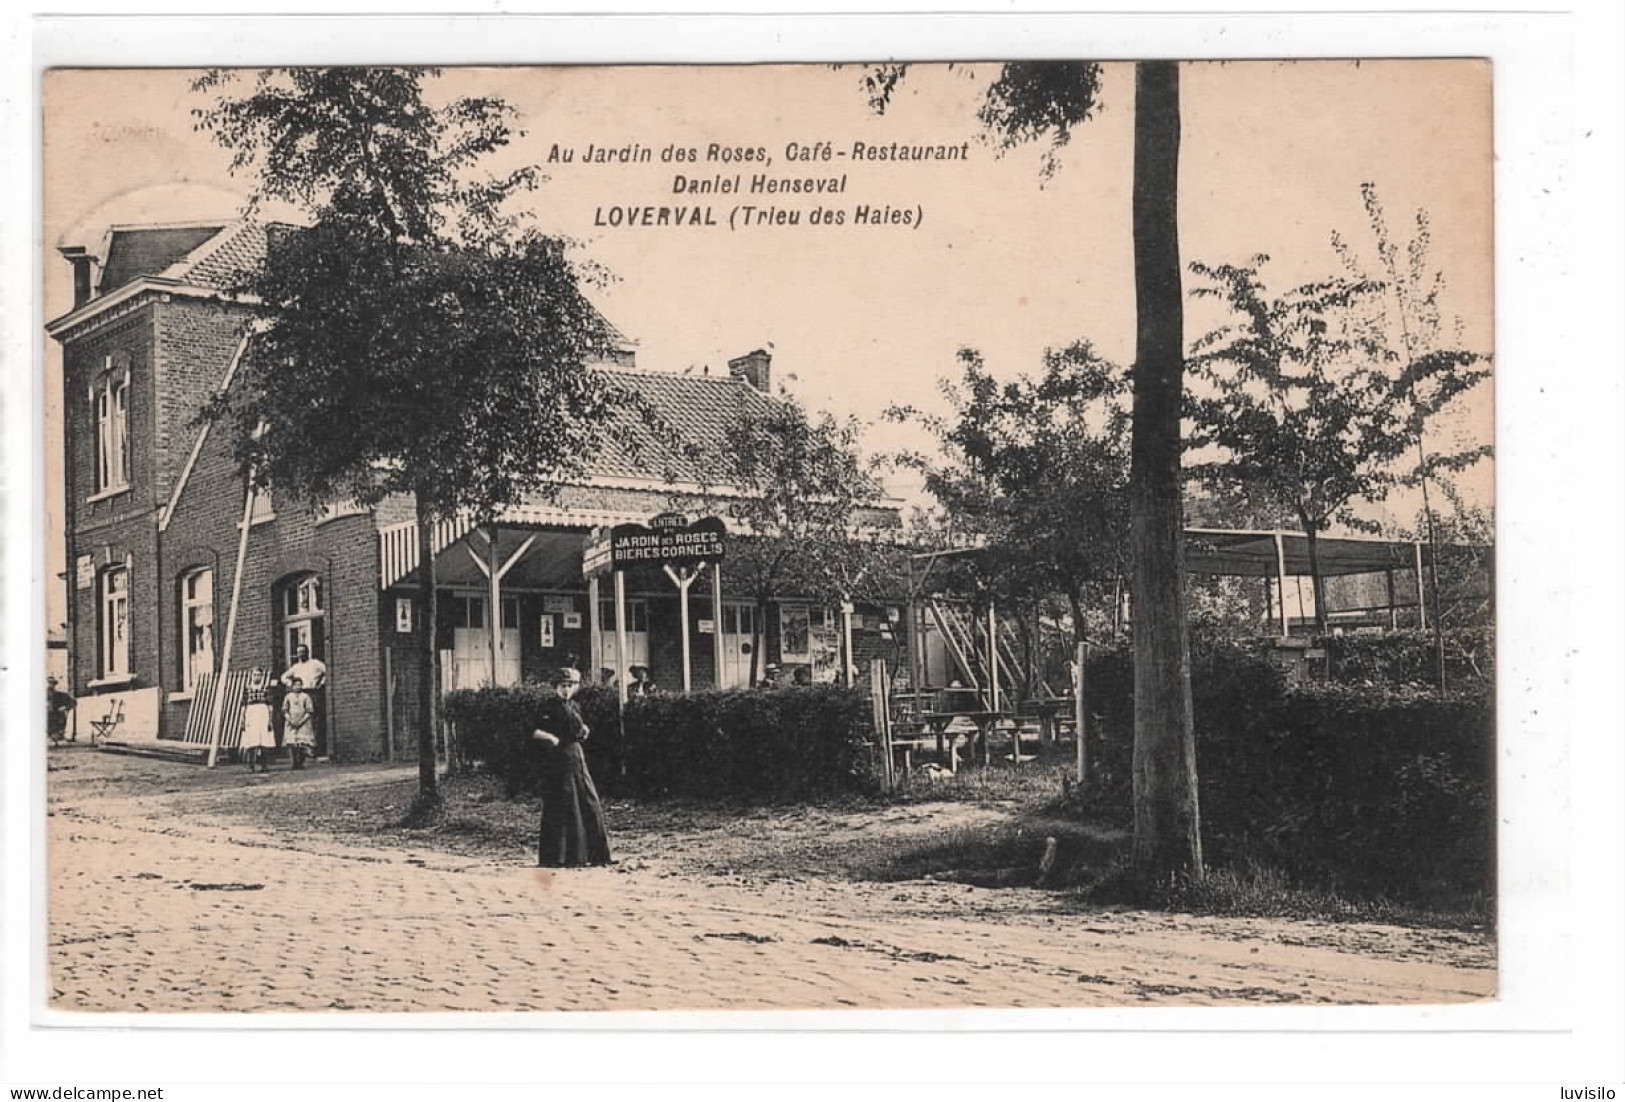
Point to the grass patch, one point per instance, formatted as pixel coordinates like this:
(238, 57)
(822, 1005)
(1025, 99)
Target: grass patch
(1002, 854)
(1030, 785)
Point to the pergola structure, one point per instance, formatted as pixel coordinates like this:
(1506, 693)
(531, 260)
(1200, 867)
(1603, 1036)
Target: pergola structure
(1273, 555)
(1277, 555)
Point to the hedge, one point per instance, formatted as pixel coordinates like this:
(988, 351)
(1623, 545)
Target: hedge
(1380, 789)
(775, 744)
(1411, 657)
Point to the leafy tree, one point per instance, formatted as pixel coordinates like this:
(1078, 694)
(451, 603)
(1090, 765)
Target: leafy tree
(1032, 100)
(800, 488)
(411, 339)
(1410, 304)
(1463, 558)
(1037, 470)
(1305, 407)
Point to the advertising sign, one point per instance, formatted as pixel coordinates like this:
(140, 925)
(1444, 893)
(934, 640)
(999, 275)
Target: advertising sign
(668, 545)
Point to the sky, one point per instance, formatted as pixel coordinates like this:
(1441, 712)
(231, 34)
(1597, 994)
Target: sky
(993, 254)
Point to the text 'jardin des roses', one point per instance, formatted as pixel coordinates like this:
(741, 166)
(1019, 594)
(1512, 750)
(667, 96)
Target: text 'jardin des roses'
(746, 186)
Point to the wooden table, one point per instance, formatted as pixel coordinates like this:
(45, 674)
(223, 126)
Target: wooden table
(985, 722)
(1048, 711)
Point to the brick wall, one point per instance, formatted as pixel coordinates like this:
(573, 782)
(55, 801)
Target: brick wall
(119, 527)
(194, 342)
(177, 353)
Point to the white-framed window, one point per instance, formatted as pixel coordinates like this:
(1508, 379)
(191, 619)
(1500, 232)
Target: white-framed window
(110, 400)
(197, 626)
(303, 616)
(113, 622)
(637, 633)
(468, 611)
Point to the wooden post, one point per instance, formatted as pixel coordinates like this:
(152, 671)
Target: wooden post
(595, 629)
(716, 619)
(682, 578)
(620, 636)
(916, 643)
(493, 579)
(849, 665)
(1421, 590)
(1280, 582)
(992, 656)
(389, 704)
(1393, 613)
(216, 719)
(882, 721)
(1079, 714)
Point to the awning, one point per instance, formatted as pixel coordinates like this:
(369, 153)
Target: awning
(1256, 554)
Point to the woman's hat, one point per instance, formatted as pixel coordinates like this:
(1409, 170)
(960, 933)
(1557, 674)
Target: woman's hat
(567, 674)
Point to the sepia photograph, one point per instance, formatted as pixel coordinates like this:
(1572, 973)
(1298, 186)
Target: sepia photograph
(926, 536)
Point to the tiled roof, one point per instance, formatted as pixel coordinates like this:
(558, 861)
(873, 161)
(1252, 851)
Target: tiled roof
(136, 251)
(225, 261)
(692, 417)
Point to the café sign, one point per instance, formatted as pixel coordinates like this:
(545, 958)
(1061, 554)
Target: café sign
(668, 540)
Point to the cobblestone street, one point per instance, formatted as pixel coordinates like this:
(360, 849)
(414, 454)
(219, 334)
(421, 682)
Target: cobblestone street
(155, 909)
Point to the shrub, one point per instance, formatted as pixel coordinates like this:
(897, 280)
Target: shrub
(1409, 657)
(494, 728)
(754, 744)
(1369, 788)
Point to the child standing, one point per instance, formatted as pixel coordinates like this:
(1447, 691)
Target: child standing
(298, 729)
(258, 739)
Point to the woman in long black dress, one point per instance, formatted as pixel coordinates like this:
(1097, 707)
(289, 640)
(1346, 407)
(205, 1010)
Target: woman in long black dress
(572, 817)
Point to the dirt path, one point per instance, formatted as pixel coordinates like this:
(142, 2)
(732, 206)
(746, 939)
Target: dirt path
(159, 904)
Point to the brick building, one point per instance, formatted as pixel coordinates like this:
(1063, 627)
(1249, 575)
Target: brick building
(156, 504)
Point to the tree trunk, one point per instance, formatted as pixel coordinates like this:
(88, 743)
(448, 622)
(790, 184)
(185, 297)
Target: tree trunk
(1080, 631)
(1317, 584)
(1167, 828)
(428, 687)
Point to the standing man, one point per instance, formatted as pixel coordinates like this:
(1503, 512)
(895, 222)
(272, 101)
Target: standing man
(311, 674)
(57, 706)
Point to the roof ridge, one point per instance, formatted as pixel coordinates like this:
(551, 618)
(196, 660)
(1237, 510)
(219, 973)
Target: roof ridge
(201, 223)
(665, 373)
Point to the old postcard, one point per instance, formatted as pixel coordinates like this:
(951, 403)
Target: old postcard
(802, 537)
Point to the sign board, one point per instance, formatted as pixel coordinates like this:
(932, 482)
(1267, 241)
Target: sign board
(547, 629)
(595, 559)
(688, 545)
(572, 621)
(706, 627)
(558, 604)
(85, 571)
(403, 615)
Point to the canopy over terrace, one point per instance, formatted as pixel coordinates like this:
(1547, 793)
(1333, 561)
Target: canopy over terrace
(1282, 554)
(535, 547)
(1269, 554)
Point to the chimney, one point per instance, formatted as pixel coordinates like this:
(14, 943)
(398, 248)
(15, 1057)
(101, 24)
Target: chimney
(753, 367)
(76, 255)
